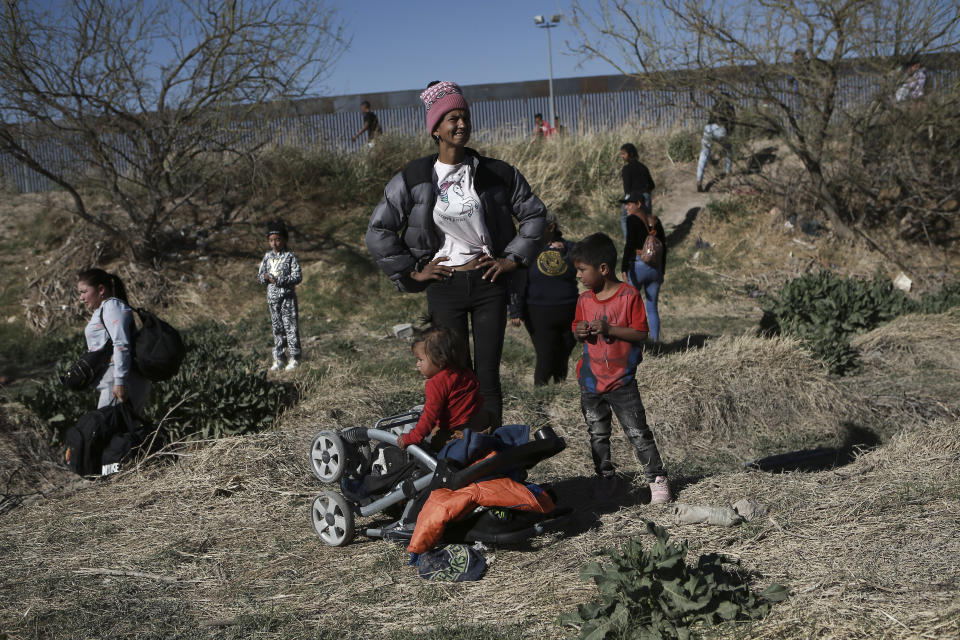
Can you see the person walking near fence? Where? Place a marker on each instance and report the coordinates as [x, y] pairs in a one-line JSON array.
[[371, 124], [446, 225], [912, 87], [719, 127]]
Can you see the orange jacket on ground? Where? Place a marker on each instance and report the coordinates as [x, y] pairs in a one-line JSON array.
[[444, 506]]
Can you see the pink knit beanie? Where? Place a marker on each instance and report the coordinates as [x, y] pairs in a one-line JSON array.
[[441, 98]]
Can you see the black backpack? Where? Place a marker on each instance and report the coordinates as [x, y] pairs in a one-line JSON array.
[[158, 349], [107, 437]]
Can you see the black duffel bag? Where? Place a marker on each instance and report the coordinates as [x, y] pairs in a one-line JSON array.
[[105, 438]]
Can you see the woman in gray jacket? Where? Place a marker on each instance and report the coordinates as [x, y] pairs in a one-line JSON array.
[[104, 294], [446, 225]]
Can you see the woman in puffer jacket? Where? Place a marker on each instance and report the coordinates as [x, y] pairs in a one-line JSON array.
[[446, 225]]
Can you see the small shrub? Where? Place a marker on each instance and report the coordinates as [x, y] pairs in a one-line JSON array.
[[217, 391], [655, 594], [824, 311], [682, 146]]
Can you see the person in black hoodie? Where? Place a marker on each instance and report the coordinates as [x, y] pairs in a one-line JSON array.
[[545, 298], [644, 277], [636, 179]]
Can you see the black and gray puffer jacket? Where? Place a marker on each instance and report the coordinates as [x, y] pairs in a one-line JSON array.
[[402, 236]]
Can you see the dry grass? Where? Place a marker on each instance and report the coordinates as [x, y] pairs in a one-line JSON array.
[[739, 397], [215, 541]]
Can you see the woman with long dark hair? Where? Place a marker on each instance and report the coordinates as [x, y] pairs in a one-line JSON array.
[[446, 225], [104, 294]]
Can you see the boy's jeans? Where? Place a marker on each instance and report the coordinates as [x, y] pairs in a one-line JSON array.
[[626, 402]]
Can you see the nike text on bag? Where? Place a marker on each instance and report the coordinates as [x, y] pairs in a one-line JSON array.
[[104, 439]]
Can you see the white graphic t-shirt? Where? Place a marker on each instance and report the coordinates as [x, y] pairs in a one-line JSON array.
[[458, 215]]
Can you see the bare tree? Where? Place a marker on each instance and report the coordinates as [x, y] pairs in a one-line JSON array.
[[784, 61], [151, 99]]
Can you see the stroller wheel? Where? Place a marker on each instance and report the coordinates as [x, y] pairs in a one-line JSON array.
[[333, 519], [328, 456]]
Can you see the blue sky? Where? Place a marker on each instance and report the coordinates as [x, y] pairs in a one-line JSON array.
[[403, 44]]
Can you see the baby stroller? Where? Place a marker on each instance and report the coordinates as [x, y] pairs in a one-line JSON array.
[[376, 476]]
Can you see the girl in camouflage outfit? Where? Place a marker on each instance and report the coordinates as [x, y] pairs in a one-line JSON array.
[[280, 271]]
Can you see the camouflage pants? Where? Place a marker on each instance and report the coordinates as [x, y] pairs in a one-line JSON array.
[[286, 327]]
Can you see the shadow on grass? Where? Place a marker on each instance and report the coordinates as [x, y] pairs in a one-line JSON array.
[[682, 230], [691, 341], [856, 440], [584, 495], [759, 159]]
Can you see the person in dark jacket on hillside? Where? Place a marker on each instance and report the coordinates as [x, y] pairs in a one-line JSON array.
[[636, 179], [545, 298], [644, 277], [446, 225]]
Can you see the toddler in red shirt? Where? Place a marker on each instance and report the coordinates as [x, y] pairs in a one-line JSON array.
[[453, 392]]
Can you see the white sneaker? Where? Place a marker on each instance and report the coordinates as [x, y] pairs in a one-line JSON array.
[[291, 365], [660, 491], [276, 366]]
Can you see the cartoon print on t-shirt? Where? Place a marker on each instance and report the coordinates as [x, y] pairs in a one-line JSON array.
[[455, 181]]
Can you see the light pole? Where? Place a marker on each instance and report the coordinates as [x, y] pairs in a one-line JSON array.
[[541, 22]]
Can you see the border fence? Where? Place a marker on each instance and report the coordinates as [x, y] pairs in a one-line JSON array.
[[499, 112]]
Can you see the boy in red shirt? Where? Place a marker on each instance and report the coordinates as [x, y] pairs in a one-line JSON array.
[[611, 323]]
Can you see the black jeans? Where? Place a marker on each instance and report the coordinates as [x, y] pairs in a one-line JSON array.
[[626, 402], [549, 329], [465, 294]]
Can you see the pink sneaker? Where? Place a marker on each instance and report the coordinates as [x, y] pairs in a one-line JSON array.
[[660, 491]]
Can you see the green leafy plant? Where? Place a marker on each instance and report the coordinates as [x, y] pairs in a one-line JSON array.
[[217, 391], [824, 310], [682, 146], [655, 594]]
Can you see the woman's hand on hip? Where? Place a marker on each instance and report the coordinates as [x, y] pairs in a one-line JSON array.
[[495, 266], [120, 393], [433, 270]]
